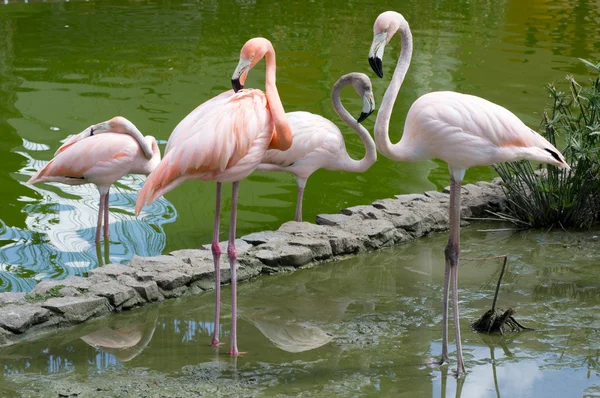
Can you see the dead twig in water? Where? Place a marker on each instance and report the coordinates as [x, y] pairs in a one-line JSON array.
[[497, 320]]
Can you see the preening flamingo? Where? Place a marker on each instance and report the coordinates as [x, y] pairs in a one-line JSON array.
[[319, 144], [224, 140], [110, 150], [462, 130]]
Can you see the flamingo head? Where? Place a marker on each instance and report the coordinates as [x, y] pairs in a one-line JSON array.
[[363, 87], [386, 25], [253, 51], [117, 124]]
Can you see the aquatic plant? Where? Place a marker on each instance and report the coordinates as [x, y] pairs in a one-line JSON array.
[[548, 196]]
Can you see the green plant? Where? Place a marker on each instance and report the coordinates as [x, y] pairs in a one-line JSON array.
[[52, 292], [549, 196]]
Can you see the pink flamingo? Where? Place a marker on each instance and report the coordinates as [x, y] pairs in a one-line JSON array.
[[318, 143], [224, 140], [462, 130], [100, 155]]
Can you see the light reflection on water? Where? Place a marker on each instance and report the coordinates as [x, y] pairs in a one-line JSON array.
[[66, 65], [382, 313]]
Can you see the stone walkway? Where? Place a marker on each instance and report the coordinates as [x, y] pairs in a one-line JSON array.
[[55, 304]]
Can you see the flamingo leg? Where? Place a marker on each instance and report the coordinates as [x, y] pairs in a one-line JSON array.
[[452, 253], [232, 253], [100, 211], [444, 359], [216, 251], [301, 182], [106, 216]]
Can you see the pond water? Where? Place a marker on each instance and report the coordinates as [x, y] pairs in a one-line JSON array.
[[359, 327], [67, 65]]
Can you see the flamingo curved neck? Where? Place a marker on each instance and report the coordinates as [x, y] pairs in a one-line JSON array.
[[398, 151], [347, 163], [282, 138]]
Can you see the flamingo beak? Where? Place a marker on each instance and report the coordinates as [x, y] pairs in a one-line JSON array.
[[376, 53], [368, 106], [239, 75]]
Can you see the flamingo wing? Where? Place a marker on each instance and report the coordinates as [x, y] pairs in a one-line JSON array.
[[312, 134], [100, 159], [214, 142], [465, 131], [185, 128], [73, 139]]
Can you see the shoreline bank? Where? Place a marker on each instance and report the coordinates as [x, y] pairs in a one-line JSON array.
[[56, 304]]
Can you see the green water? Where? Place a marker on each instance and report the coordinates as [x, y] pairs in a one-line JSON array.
[[66, 65], [359, 327]]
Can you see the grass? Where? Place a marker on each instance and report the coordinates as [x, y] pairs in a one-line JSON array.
[[52, 292], [549, 197]]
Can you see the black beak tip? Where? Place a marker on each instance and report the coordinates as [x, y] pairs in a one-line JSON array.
[[376, 65], [363, 116], [235, 84]]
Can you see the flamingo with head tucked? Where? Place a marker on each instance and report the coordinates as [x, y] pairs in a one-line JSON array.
[[319, 144], [462, 130], [110, 150], [224, 140]]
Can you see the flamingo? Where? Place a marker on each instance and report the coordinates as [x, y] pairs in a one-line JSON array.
[[463, 131], [318, 143], [100, 155], [224, 140]]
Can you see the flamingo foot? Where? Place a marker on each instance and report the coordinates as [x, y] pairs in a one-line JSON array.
[[459, 374], [436, 363], [235, 353], [215, 342]]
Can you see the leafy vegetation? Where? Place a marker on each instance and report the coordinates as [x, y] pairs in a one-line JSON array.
[[548, 196], [52, 292]]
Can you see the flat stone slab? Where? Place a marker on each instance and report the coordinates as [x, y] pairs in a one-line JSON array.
[[114, 291], [11, 298], [18, 318], [78, 309], [171, 280]]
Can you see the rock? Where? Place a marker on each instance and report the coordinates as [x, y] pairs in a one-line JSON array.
[[114, 291], [78, 309], [320, 248], [144, 276], [258, 238], [341, 242], [171, 280], [438, 195], [155, 264], [194, 257], [6, 337], [374, 233], [335, 220], [80, 283], [406, 198], [367, 212], [148, 290], [112, 270], [241, 246], [11, 297], [174, 293], [44, 286], [18, 318], [283, 255], [69, 291]]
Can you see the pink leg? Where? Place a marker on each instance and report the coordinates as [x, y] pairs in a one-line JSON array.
[[299, 205], [444, 359], [100, 210], [216, 251], [233, 350], [452, 255], [106, 217], [301, 182]]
